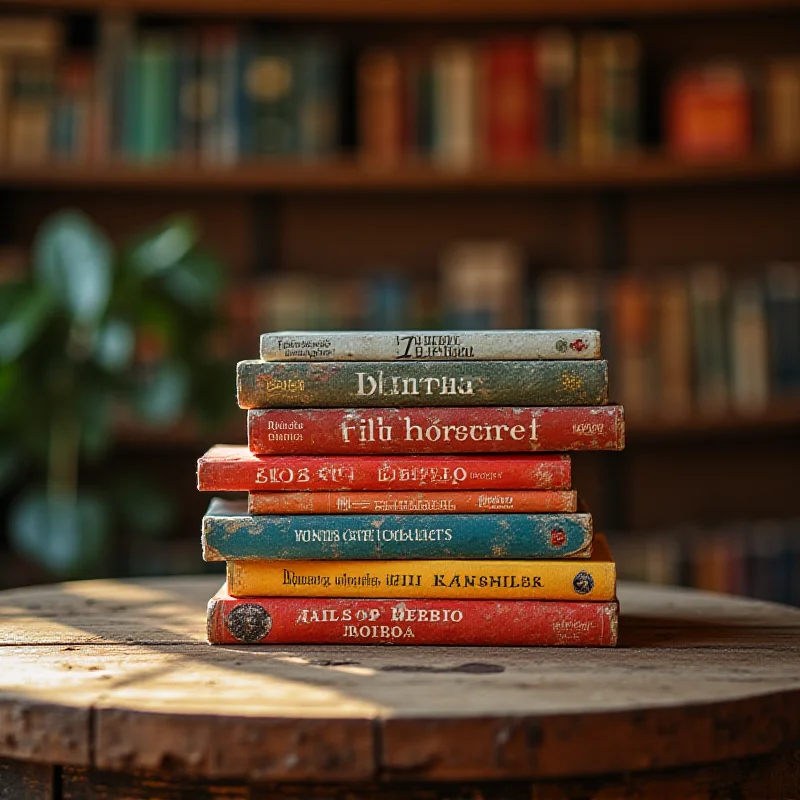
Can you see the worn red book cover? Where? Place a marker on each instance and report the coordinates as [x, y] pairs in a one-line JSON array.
[[322, 620], [435, 430], [510, 501], [511, 100], [233, 468]]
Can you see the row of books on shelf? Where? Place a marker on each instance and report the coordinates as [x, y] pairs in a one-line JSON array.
[[758, 559], [218, 94], [698, 340]]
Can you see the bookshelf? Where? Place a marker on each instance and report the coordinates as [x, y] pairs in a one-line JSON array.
[[349, 175], [648, 213]]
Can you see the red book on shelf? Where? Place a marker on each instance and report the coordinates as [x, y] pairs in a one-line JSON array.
[[510, 100], [317, 620], [709, 112], [233, 468], [435, 430]]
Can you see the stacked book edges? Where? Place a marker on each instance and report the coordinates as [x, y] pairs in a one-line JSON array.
[[414, 488]]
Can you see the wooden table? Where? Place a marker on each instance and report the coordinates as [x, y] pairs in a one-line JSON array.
[[108, 690]]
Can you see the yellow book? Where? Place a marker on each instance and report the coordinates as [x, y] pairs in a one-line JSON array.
[[591, 579]]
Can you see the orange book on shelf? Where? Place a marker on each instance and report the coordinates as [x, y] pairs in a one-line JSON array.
[[380, 103], [709, 112]]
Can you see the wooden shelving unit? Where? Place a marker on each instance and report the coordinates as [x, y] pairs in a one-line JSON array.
[[647, 171], [650, 213], [418, 9]]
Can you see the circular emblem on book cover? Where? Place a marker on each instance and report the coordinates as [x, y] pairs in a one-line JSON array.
[[249, 623], [582, 583]]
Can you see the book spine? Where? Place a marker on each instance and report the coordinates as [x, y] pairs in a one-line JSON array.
[[310, 473], [560, 345], [395, 536], [510, 502], [367, 384], [510, 134], [489, 580], [288, 620], [435, 430]]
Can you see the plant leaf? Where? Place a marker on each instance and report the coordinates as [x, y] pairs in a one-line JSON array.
[[64, 534], [163, 248], [196, 282], [74, 260], [162, 395], [24, 309], [114, 345]]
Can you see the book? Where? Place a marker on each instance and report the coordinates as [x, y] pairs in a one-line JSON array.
[[30, 110], [673, 348], [310, 620], [511, 97], [557, 72], [783, 105], [482, 284], [749, 358], [454, 104], [380, 108], [510, 501], [371, 384], [708, 111], [323, 431], [497, 345], [543, 579], [233, 468], [230, 533], [708, 292]]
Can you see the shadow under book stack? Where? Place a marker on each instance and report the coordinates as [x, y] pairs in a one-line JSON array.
[[414, 488]]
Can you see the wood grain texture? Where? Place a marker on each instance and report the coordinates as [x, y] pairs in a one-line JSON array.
[[773, 778], [698, 678], [23, 780]]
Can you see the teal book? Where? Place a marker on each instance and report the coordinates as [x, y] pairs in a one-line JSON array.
[[230, 533], [376, 384]]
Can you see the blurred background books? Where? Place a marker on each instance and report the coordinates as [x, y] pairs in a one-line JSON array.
[[633, 168]]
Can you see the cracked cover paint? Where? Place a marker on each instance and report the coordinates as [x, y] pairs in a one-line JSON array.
[[376, 384], [233, 468], [510, 501], [310, 620], [435, 430], [430, 345], [542, 579], [230, 533]]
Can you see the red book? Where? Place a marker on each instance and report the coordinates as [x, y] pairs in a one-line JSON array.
[[492, 502], [511, 101], [233, 468], [435, 430], [322, 620]]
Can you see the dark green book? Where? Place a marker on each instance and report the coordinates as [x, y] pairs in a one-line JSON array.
[[375, 384]]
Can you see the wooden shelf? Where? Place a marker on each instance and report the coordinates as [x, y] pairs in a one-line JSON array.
[[781, 416], [341, 176], [418, 9]]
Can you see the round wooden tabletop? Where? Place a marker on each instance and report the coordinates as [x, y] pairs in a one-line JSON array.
[[116, 676]]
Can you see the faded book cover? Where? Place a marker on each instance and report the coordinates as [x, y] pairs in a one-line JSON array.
[[233, 468], [511, 502], [542, 579], [435, 430], [310, 620], [230, 533], [371, 384]]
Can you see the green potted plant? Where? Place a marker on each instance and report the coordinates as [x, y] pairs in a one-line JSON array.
[[93, 335]]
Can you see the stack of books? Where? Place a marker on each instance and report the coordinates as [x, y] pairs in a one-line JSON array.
[[414, 488]]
